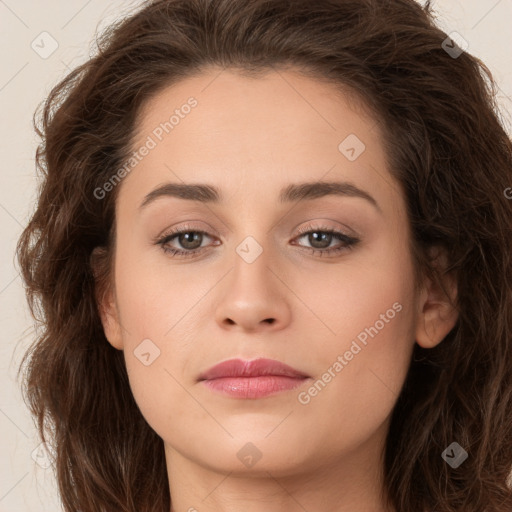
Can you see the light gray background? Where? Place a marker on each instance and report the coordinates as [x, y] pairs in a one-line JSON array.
[[25, 79]]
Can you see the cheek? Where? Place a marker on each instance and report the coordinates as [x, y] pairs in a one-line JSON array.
[[367, 296], [157, 297], [159, 317], [363, 364]]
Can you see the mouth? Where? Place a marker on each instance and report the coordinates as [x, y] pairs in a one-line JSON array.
[[252, 379]]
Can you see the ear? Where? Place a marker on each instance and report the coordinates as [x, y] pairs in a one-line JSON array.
[[437, 314], [105, 296]]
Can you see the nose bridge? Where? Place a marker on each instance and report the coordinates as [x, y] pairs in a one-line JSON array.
[[253, 297], [252, 260], [252, 234], [253, 230], [256, 259]]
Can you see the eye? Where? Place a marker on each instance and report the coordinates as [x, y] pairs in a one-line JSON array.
[[320, 239], [190, 239]]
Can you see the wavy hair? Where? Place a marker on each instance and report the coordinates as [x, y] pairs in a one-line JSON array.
[[446, 146]]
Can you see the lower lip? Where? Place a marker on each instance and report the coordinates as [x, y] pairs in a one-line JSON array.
[[253, 387]]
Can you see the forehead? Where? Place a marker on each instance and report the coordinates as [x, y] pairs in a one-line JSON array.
[[248, 134]]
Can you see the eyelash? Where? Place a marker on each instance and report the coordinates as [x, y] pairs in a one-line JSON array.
[[350, 242]]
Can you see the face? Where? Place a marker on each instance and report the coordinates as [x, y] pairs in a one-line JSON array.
[[318, 278]]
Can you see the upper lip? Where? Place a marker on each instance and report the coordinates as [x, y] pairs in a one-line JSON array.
[[253, 368]]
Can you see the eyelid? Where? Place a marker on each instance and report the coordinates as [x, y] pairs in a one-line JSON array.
[[188, 226], [320, 225], [313, 224]]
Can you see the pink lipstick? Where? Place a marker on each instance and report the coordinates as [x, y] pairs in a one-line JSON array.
[[252, 379]]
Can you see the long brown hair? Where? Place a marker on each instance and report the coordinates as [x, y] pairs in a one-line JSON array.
[[446, 147]]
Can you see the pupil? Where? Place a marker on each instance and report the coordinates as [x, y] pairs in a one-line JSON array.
[[325, 236], [185, 242]]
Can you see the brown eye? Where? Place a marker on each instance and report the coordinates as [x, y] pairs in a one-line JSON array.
[[320, 240], [189, 242]]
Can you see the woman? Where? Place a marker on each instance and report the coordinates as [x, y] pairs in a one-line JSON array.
[[271, 259]]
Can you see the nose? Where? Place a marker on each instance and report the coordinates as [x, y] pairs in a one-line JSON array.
[[254, 296]]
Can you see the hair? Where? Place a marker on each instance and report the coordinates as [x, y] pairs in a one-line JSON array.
[[445, 145]]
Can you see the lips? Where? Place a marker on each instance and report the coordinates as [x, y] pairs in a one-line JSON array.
[[256, 379], [255, 368]]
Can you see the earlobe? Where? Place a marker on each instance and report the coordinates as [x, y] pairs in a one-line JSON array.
[[110, 321], [437, 313], [105, 297]]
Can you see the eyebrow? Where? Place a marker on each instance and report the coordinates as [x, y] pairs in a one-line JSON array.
[[293, 192]]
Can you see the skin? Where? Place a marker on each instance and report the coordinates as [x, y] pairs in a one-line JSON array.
[[250, 138]]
